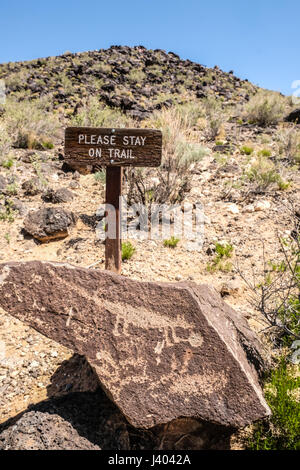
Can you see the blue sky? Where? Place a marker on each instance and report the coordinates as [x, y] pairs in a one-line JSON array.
[[259, 40]]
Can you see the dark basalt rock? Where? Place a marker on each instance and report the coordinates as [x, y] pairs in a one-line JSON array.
[[58, 196], [49, 223], [294, 116], [32, 187]]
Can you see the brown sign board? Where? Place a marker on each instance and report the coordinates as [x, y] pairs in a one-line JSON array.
[[87, 147]]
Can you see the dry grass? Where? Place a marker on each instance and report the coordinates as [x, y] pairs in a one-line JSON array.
[[265, 108], [30, 124]]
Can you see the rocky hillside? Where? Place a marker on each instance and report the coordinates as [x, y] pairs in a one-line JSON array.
[[135, 80]]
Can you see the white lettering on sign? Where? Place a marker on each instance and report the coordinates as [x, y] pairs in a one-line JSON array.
[[95, 153], [110, 140], [133, 140], [116, 153], [97, 140], [93, 139]]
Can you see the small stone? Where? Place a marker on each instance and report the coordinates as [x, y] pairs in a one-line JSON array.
[[249, 208], [233, 209], [262, 206], [229, 288], [34, 364]]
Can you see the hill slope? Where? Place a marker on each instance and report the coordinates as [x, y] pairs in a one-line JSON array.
[[135, 80]]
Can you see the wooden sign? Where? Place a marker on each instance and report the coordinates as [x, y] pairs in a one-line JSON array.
[[89, 147]]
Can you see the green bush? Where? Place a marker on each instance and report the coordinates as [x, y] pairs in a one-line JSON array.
[[265, 153], [136, 75], [128, 251], [95, 114], [214, 115], [282, 430], [7, 214], [246, 150], [219, 263], [265, 108], [29, 124], [289, 143], [172, 180], [263, 173], [100, 176], [12, 189], [290, 315], [8, 163], [171, 242], [5, 141]]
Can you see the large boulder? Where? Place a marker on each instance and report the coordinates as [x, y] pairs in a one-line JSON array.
[[58, 196], [161, 351], [49, 223], [43, 431], [294, 116]]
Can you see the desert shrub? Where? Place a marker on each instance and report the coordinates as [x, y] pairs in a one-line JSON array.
[[37, 166], [171, 180], [102, 68], [7, 213], [47, 145], [289, 144], [191, 113], [29, 124], [96, 114], [100, 176], [5, 140], [263, 173], [265, 108], [7, 163], [245, 150], [281, 431], [128, 250], [220, 262], [12, 189], [214, 117], [136, 75], [265, 153], [66, 83], [171, 242], [275, 289]]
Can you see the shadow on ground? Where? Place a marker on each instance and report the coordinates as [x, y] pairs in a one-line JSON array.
[[78, 415]]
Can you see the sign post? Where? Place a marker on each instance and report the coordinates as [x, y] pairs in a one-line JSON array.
[[88, 149]]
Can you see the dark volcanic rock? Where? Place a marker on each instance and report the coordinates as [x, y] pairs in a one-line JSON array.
[[49, 224], [18, 206], [294, 116], [58, 196], [32, 187], [43, 431], [90, 421], [91, 220], [160, 351]]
